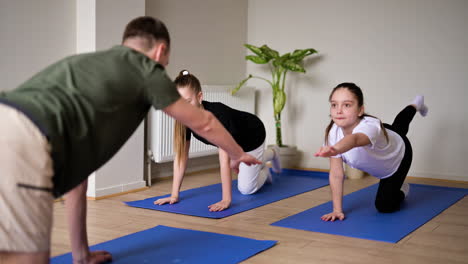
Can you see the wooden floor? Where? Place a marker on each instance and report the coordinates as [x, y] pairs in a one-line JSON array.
[[444, 239]]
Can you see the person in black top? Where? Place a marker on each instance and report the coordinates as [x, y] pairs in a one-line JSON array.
[[246, 129]]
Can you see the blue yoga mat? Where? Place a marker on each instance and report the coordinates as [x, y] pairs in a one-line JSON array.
[[196, 201], [163, 244], [362, 220]]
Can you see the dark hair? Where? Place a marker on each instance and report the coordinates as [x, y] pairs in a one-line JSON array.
[[185, 79], [149, 28], [354, 89]]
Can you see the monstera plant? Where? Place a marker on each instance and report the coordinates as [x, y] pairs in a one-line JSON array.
[[279, 66]]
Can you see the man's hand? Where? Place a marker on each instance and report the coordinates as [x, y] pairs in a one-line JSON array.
[[245, 158]]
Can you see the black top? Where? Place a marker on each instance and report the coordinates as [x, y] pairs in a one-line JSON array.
[[246, 129]]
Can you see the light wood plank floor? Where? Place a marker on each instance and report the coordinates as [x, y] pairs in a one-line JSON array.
[[444, 239]]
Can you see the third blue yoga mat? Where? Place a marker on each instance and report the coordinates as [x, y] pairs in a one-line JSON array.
[[423, 203], [163, 244], [195, 201]]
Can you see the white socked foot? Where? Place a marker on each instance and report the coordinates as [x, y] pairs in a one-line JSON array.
[[276, 161], [269, 179], [418, 101], [405, 188]]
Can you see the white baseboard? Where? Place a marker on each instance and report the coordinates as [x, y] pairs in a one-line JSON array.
[[118, 189], [438, 176]]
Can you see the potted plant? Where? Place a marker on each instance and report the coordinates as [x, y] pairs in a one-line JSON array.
[[279, 66]]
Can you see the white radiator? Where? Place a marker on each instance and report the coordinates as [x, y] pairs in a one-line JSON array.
[[162, 126]]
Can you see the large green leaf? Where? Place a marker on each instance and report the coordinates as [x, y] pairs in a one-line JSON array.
[[255, 50], [269, 52], [293, 66], [277, 63], [256, 59], [261, 52], [299, 54], [235, 90], [279, 101]]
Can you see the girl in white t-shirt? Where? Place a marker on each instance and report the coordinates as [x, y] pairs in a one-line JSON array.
[[363, 142]]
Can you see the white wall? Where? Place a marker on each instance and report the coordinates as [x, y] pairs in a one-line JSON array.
[[125, 170], [393, 50], [38, 33], [33, 35], [207, 37]]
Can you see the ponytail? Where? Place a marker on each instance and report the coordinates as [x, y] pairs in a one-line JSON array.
[[180, 141], [381, 126], [327, 131], [184, 79]]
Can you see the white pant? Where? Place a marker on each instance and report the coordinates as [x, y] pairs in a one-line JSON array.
[[26, 171], [252, 178]]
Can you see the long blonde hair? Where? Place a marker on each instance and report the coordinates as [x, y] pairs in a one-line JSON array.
[[188, 80]]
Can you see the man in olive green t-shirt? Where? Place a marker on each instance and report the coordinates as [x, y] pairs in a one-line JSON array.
[[70, 119]]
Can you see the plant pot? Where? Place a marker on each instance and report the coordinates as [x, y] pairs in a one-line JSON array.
[[353, 173], [288, 156]]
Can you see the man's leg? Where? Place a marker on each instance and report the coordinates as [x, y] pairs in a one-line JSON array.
[[26, 200]]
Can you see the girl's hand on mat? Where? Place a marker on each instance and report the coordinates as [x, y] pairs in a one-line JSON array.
[[326, 151], [219, 206], [169, 200], [245, 158], [333, 216], [95, 257]]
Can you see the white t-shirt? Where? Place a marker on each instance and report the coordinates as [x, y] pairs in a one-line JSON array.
[[380, 159]]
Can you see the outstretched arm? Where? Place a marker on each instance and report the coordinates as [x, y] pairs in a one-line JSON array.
[[75, 205], [226, 183], [346, 143], [206, 125], [336, 186], [179, 167]]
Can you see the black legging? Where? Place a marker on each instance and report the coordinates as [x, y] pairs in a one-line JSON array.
[[389, 195]]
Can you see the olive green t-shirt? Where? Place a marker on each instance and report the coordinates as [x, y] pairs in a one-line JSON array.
[[88, 105]]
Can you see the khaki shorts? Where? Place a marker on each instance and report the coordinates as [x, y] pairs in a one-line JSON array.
[[26, 200]]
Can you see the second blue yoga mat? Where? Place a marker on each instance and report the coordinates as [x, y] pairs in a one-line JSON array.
[[423, 203], [195, 201], [163, 244]]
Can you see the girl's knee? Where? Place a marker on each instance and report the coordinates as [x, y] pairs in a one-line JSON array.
[[385, 207], [247, 190]]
